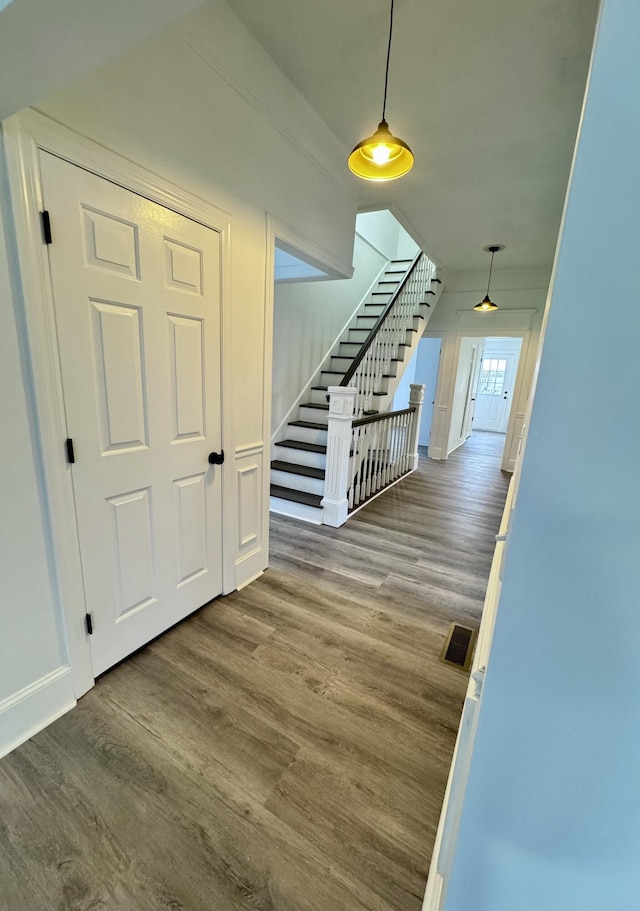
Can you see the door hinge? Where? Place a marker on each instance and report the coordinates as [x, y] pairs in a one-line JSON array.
[[46, 227], [71, 456], [89, 624]]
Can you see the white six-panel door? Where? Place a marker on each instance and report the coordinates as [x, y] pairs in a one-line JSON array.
[[137, 301]]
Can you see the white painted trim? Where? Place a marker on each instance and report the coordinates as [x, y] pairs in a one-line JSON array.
[[251, 449], [511, 324], [24, 135], [448, 825], [249, 581], [32, 708], [314, 252]]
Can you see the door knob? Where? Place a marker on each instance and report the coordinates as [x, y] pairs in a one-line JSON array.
[[216, 458]]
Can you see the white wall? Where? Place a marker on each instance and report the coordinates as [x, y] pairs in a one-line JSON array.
[[298, 351], [520, 294], [551, 814], [307, 319], [386, 234], [31, 639], [380, 229], [45, 46], [204, 106]]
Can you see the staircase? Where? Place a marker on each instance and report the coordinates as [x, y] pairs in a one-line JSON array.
[[298, 468]]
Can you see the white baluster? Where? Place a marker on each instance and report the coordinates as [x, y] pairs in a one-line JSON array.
[[335, 505]]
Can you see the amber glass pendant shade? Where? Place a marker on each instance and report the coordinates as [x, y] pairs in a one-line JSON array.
[[382, 156]]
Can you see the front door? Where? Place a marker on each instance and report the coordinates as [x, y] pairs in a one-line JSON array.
[[495, 389], [136, 292]]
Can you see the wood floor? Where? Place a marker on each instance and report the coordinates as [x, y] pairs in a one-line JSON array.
[[285, 749]]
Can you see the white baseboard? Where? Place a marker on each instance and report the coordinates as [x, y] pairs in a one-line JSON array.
[[34, 707], [250, 580]]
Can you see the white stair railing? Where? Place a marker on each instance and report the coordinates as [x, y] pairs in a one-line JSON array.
[[366, 455], [382, 347]]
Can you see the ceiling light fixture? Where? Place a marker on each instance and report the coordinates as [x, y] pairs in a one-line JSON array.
[[382, 156], [486, 305]]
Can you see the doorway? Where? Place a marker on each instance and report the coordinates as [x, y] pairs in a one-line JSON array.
[[496, 382], [136, 296], [485, 381]]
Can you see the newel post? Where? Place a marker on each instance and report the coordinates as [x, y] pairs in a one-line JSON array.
[[335, 506], [416, 399]]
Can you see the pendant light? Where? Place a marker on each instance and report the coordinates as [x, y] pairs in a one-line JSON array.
[[382, 156], [486, 305]]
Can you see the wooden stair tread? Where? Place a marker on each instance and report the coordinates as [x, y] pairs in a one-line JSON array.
[[310, 424], [306, 447], [321, 407], [296, 496], [294, 468]]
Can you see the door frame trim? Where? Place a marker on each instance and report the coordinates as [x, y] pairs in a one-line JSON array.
[[504, 324], [24, 135]]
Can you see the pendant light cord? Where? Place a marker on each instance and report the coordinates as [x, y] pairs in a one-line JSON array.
[[386, 75], [493, 253]]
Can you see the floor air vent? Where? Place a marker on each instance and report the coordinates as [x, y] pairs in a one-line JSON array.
[[458, 646]]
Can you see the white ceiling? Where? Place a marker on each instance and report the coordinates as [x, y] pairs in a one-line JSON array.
[[487, 95]]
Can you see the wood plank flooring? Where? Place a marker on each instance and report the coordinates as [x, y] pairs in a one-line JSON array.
[[286, 748]]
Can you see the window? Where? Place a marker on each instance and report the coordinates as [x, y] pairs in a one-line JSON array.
[[492, 376]]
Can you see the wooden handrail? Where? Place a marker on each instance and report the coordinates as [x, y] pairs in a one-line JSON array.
[[371, 418], [372, 334]]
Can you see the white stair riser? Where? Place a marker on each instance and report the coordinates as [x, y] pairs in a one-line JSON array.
[[319, 415], [372, 308], [297, 482], [330, 379], [340, 363], [357, 335], [349, 349], [307, 435], [364, 322], [301, 456], [319, 396], [295, 510]]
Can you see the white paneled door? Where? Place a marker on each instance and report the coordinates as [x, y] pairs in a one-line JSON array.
[[137, 301], [495, 391]]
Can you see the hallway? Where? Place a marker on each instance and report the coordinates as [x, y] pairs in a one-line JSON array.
[[286, 748]]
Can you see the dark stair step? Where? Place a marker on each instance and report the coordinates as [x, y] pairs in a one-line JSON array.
[[310, 424], [400, 260], [296, 496], [294, 468], [306, 447]]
